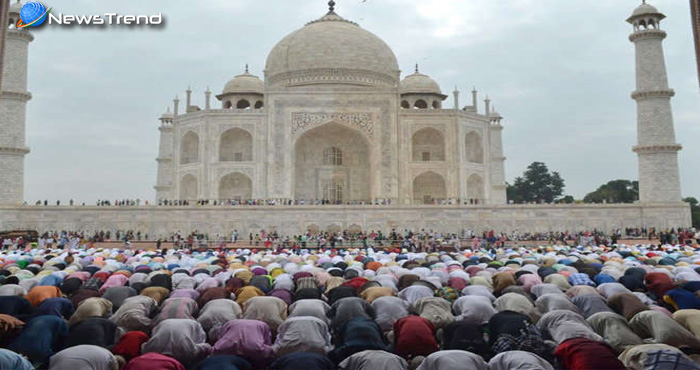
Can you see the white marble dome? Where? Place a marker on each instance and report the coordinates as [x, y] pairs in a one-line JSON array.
[[244, 84], [332, 50], [419, 83], [644, 9]]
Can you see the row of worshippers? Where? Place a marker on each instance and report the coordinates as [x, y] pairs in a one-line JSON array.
[[571, 308]]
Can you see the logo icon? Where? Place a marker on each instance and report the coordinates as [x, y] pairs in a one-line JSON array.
[[32, 14]]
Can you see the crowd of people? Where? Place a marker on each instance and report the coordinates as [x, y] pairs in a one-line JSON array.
[[483, 307], [414, 241], [253, 202]]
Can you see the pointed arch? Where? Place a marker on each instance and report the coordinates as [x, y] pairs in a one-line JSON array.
[[332, 163], [235, 186], [420, 104], [236, 145], [428, 145], [189, 148], [429, 188], [243, 104]]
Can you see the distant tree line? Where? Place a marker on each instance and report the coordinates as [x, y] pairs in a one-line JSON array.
[[540, 185]]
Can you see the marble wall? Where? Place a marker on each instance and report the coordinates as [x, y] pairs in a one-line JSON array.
[[161, 221]]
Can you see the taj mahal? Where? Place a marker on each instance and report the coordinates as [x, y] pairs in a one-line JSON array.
[[332, 121], [336, 138]]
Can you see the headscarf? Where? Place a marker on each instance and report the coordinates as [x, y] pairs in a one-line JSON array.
[[91, 307], [153, 361], [82, 357], [251, 339], [614, 329], [96, 331], [453, 360], [626, 304], [129, 345], [519, 360], [181, 339], [414, 336]]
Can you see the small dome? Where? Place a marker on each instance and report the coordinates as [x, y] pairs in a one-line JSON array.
[[245, 84], [645, 9], [167, 115], [418, 83]]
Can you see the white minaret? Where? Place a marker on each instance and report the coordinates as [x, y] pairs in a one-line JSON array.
[[164, 184], [498, 168], [13, 106], [659, 178]]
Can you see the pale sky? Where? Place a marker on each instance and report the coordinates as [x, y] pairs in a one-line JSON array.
[[559, 71]]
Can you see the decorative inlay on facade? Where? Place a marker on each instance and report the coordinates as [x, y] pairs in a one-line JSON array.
[[331, 75], [302, 121], [383, 131], [653, 94]]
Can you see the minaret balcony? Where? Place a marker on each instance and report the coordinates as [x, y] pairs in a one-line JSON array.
[[17, 95], [665, 93], [22, 34], [14, 151], [648, 34], [641, 149]]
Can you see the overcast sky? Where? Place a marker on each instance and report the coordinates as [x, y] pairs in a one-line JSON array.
[[560, 72]]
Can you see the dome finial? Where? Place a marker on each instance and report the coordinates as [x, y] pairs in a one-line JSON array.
[[331, 6], [417, 68], [246, 68]]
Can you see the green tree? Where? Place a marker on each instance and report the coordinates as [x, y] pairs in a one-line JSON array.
[[567, 200], [694, 209], [616, 191], [536, 184]]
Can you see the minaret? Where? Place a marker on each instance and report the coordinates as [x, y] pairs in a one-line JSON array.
[[657, 150], [165, 158], [498, 168], [13, 106]]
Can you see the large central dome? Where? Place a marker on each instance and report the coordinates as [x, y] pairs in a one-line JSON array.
[[332, 50]]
